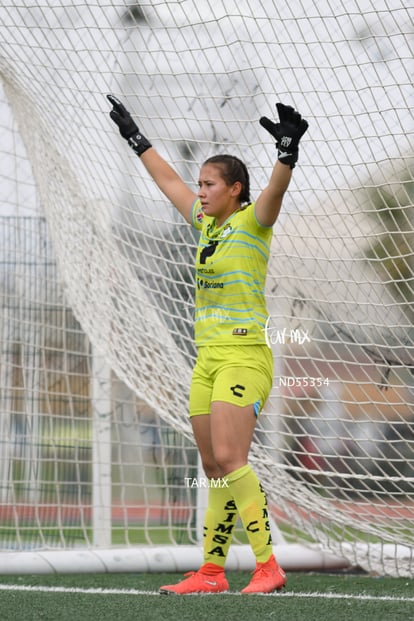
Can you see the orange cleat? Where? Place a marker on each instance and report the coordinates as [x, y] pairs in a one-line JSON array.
[[205, 580], [267, 577]]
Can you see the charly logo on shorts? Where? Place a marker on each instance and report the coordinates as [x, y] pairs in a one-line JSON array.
[[236, 390]]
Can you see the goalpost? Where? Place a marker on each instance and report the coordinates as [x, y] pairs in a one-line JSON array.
[[98, 469]]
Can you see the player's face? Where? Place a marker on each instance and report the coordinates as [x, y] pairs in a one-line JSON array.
[[217, 198]]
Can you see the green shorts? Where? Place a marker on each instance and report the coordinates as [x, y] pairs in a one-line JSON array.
[[237, 374]]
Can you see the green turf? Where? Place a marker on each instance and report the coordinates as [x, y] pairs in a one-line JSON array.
[[351, 598]]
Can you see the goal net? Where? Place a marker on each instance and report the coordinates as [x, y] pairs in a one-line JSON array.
[[96, 278]]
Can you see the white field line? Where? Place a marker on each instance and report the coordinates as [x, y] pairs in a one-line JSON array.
[[291, 594]]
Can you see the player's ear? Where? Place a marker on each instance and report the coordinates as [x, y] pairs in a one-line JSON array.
[[237, 188]]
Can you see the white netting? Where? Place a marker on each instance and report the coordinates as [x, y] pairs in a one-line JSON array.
[[335, 446]]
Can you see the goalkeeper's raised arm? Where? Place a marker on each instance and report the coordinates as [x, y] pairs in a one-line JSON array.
[[169, 182], [287, 133]]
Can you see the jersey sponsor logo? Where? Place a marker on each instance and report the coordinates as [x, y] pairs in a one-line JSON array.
[[199, 215], [239, 332], [236, 390], [208, 251], [207, 284]]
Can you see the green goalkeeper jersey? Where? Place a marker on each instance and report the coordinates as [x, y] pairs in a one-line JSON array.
[[231, 267]]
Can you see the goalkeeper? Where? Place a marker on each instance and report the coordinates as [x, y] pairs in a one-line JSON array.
[[232, 377]]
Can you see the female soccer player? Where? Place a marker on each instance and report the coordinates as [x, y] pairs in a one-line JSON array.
[[233, 374]]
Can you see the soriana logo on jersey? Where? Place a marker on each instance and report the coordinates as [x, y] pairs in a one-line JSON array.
[[209, 284]]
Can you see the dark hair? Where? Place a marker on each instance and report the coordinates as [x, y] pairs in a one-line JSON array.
[[232, 170]]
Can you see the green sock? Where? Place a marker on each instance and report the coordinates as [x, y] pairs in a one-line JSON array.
[[251, 504], [219, 522]]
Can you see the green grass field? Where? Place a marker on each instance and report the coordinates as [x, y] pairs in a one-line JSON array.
[[134, 597]]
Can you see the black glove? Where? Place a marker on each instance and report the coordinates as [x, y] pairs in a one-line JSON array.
[[287, 132], [127, 126]]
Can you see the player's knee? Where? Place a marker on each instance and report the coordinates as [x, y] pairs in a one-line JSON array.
[[211, 469], [226, 461]]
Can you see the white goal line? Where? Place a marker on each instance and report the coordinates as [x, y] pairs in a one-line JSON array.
[[128, 592]]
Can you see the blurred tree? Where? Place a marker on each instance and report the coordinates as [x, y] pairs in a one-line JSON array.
[[392, 251]]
